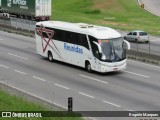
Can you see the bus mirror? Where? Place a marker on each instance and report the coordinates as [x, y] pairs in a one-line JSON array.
[[99, 47], [127, 44], [103, 57]]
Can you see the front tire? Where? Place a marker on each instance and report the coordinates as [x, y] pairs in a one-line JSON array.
[[88, 67], [50, 56]]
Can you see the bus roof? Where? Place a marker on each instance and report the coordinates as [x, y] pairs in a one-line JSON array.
[[98, 32]]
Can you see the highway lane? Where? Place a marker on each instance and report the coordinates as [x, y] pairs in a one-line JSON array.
[[152, 5], [136, 88]]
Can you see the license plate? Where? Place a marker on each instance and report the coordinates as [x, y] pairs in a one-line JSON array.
[[115, 69]]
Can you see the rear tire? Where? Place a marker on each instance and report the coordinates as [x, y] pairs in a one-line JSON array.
[[88, 67], [147, 42], [50, 56]]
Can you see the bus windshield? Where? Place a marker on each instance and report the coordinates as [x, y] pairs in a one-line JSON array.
[[112, 50]]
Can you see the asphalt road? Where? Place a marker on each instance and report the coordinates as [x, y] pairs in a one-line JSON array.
[[152, 5], [137, 88]]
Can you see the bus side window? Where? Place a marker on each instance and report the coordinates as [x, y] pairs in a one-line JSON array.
[[75, 38], [68, 37], [72, 37], [44, 34], [83, 41], [57, 35]]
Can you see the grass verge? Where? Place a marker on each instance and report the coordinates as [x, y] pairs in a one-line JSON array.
[[118, 14], [13, 103]]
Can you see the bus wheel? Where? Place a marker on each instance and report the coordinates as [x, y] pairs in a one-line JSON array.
[[50, 56], [88, 67]]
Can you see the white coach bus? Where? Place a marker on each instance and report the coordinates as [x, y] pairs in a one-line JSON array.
[[92, 47]]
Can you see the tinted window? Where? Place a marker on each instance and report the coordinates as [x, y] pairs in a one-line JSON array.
[[77, 38], [94, 47], [59, 35], [134, 33], [72, 37], [66, 36], [130, 33], [83, 41], [44, 34], [38, 26], [142, 33]]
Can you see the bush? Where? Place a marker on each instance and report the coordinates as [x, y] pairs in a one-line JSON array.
[[95, 11]]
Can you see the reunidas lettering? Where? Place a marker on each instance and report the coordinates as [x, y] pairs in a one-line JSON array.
[[73, 48], [20, 2]]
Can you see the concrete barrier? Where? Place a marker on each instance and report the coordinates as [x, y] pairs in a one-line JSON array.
[[144, 57], [21, 31], [23, 24]]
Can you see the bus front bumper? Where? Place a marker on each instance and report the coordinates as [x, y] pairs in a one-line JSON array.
[[113, 68]]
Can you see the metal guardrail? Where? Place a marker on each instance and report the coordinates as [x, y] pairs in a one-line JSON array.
[[16, 26], [144, 57], [19, 23], [23, 24], [27, 27]]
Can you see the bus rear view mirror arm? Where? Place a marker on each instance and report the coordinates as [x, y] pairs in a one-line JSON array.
[[103, 57], [128, 44], [99, 47]]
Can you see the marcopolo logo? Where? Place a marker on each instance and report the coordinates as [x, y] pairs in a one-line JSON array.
[[73, 48], [20, 2]]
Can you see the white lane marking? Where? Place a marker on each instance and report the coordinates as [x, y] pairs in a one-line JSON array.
[[31, 94], [4, 66], [62, 86], [51, 102], [17, 56], [86, 95], [136, 74], [38, 78], [20, 72], [93, 79], [138, 50], [128, 109], [144, 63], [111, 103], [89, 118]]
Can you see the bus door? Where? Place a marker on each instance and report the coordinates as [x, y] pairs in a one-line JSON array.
[[86, 55], [95, 53]]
